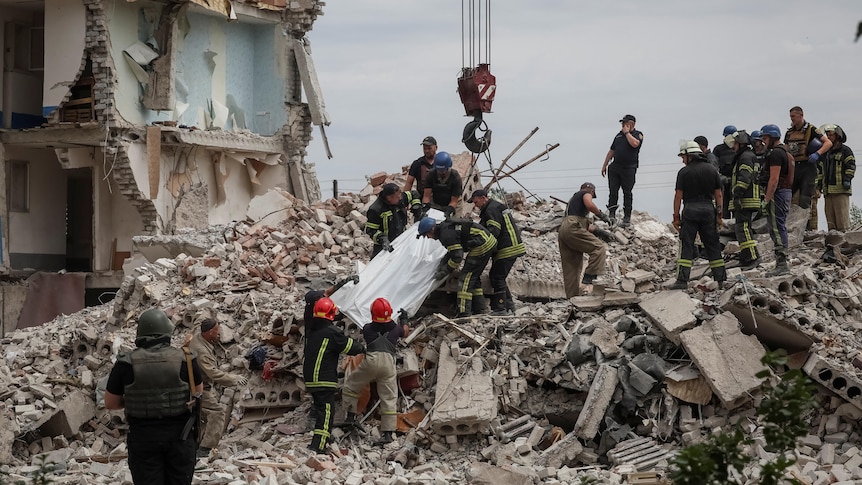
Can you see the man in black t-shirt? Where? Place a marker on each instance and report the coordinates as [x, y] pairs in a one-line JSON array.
[[621, 173], [421, 166]]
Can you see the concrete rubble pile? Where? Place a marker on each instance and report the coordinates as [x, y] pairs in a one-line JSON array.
[[606, 385]]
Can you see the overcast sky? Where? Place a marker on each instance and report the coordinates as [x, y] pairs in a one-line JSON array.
[[388, 71]]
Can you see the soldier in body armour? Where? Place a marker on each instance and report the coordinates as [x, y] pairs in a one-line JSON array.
[[152, 384]]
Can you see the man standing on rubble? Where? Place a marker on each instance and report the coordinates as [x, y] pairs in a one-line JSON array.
[[698, 185], [420, 167], [835, 177], [746, 197], [324, 343], [443, 186], [497, 218], [381, 340], [624, 152], [776, 180], [576, 237], [212, 411], [152, 384], [387, 216], [806, 144], [458, 236]]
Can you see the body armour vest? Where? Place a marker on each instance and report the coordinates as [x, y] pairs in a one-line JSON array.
[[157, 391]]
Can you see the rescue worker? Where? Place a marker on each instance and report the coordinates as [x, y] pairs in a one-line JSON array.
[[381, 340], [152, 384], [725, 169], [387, 216], [806, 144], [758, 146], [312, 296], [698, 187], [460, 236], [624, 152], [745, 188], [443, 186], [576, 237], [704, 147], [421, 166], [497, 218], [835, 177], [213, 412], [324, 343], [776, 181]]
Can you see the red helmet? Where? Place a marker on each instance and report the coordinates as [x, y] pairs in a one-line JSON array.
[[381, 311], [325, 308]]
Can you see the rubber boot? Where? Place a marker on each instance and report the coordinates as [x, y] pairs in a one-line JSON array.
[[468, 309], [386, 437], [317, 444], [510, 302], [627, 220], [589, 279], [498, 303], [719, 274], [781, 267], [679, 285], [480, 305]]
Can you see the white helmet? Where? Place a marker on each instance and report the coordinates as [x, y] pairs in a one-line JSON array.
[[689, 148]]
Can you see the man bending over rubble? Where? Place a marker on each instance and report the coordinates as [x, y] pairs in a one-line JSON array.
[[152, 384], [212, 411]]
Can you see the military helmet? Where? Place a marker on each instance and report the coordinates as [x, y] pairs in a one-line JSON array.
[[154, 323]]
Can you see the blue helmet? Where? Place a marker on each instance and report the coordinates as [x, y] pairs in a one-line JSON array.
[[755, 135], [728, 130], [442, 161], [425, 225], [771, 130]]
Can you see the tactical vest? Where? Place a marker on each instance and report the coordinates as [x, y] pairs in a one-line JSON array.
[[157, 391], [796, 142], [382, 344]]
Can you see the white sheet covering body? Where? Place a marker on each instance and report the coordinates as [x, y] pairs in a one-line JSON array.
[[403, 276]]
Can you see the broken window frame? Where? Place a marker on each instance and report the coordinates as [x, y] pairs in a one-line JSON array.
[[18, 185]]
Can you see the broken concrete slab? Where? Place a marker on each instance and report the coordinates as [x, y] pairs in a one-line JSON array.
[[464, 402], [769, 319], [726, 357], [561, 453], [672, 311], [834, 378], [598, 399]]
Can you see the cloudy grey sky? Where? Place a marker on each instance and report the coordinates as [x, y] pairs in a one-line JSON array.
[[573, 68]]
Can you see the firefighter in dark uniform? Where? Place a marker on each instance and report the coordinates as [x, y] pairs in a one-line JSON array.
[[576, 237], [497, 218], [698, 185], [420, 167], [460, 236], [381, 340], [152, 384], [806, 144], [725, 168], [835, 176], [746, 198], [386, 218], [324, 343], [311, 296], [443, 186]]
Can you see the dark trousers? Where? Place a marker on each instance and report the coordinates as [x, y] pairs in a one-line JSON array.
[[776, 216], [499, 271], [745, 236], [803, 182], [323, 411], [621, 178], [167, 462], [726, 197], [469, 282], [699, 218]]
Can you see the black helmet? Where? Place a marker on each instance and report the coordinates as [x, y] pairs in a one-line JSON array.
[[154, 323]]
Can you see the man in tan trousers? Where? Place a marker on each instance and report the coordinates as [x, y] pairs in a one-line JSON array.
[[576, 238], [213, 412]]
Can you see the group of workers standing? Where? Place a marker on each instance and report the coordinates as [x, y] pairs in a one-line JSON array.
[[748, 175]]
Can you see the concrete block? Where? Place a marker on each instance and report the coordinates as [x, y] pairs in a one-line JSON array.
[[561, 453], [598, 399], [835, 379], [672, 311], [462, 405], [726, 357]]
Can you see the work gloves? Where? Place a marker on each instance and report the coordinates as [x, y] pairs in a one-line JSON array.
[[354, 279], [403, 317], [814, 157], [241, 380], [448, 211], [442, 272], [385, 244], [423, 211], [604, 217], [416, 210], [845, 183]]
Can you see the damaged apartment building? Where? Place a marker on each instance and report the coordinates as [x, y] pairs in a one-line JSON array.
[[123, 118]]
